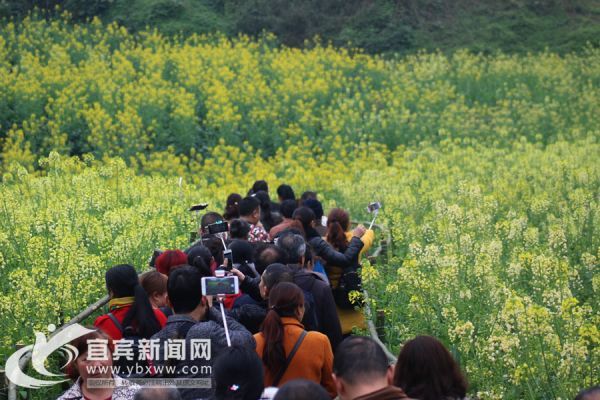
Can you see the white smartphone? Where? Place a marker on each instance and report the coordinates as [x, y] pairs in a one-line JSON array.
[[213, 286]]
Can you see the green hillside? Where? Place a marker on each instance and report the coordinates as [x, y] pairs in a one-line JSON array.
[[375, 25]]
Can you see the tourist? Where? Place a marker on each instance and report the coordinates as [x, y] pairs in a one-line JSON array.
[[99, 367], [266, 254], [170, 259], [238, 374], [130, 311], [250, 212], [262, 185], [282, 332], [316, 206], [425, 370], [285, 192], [155, 285], [232, 207], [324, 250], [286, 209], [202, 259], [301, 389], [268, 217], [361, 371], [239, 229], [195, 319], [339, 237], [317, 289]]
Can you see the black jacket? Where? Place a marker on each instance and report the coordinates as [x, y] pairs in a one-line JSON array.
[[250, 287], [251, 316], [349, 258], [326, 312], [327, 320]]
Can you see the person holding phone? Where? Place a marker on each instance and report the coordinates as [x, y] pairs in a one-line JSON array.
[[250, 212], [339, 237], [195, 318]]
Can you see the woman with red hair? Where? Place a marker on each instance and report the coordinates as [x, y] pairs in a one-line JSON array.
[[170, 259]]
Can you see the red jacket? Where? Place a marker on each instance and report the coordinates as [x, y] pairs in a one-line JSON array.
[[105, 324]]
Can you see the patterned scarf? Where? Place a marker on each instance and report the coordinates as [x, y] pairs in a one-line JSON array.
[[120, 302]]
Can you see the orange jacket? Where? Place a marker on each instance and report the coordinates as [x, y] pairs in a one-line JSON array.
[[313, 359]]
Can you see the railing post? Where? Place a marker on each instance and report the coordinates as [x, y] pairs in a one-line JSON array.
[[380, 324], [384, 248], [4, 384]]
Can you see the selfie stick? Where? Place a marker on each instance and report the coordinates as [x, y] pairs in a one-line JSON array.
[[373, 220], [225, 324], [221, 236], [196, 208]]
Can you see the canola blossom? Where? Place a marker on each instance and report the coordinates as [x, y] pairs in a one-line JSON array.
[[495, 251], [488, 168], [98, 89]]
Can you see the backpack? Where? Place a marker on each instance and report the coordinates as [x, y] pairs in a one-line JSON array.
[[350, 281]]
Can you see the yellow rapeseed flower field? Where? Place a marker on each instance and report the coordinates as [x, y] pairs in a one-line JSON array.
[[488, 168], [97, 89]]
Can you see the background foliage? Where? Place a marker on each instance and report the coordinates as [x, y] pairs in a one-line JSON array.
[[374, 25]]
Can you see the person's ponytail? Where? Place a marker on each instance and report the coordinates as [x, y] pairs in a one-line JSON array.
[[142, 313], [272, 329], [338, 222], [200, 257], [306, 216], [336, 236], [122, 280], [232, 208], [284, 300]]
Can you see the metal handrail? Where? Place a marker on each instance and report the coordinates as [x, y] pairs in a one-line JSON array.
[[12, 388]]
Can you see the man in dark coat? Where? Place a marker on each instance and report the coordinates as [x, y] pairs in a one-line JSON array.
[[202, 329]]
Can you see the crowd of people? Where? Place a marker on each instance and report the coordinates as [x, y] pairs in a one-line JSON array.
[[287, 334]]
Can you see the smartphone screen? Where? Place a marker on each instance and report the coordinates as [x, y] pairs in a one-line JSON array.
[[218, 227], [229, 256], [213, 286]]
